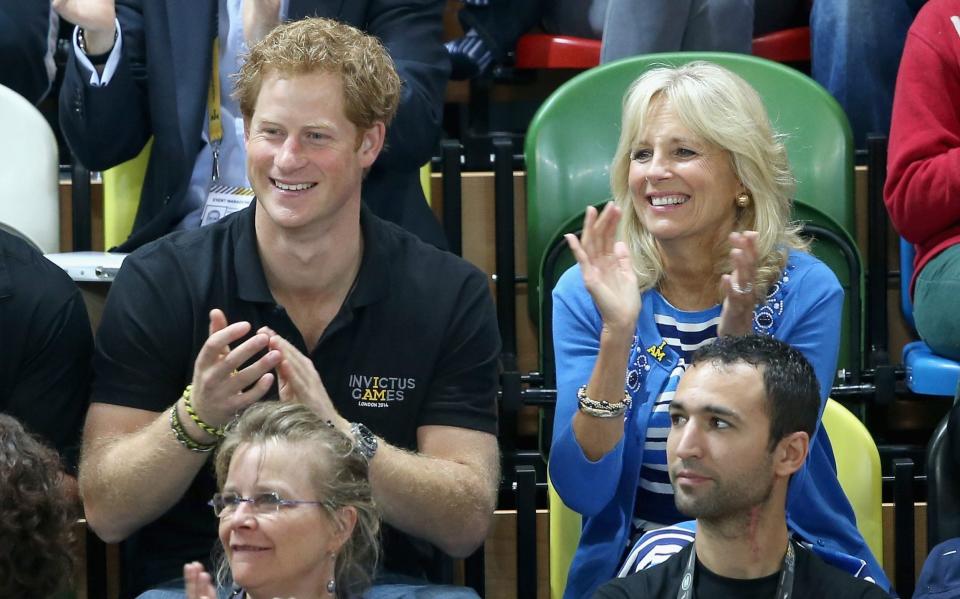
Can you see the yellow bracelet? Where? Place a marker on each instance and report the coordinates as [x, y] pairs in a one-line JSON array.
[[183, 438], [210, 430]]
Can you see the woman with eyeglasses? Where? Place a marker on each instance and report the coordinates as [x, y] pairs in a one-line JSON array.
[[297, 518]]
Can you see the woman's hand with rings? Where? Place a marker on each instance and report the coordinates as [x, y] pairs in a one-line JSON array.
[[738, 287], [607, 268]]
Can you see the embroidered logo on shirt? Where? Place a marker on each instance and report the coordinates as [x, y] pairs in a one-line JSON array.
[[637, 373], [657, 351], [766, 316], [379, 391]]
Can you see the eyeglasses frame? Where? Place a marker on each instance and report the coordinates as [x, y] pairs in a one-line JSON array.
[[279, 502]]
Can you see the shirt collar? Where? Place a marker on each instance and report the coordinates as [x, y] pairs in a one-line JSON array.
[[251, 281], [373, 278]]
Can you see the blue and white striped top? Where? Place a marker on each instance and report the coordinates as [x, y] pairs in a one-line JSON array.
[[684, 332]]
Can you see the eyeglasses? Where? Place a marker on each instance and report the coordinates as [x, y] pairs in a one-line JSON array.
[[224, 504]]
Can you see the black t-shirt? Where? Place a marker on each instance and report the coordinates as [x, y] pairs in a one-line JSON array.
[[813, 578], [415, 343], [45, 347]]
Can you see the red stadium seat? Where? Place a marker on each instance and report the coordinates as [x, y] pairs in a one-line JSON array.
[[544, 51], [787, 45]]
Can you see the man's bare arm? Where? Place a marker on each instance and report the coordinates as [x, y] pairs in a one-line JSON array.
[[445, 493], [132, 469]]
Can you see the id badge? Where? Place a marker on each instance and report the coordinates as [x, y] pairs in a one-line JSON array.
[[223, 200]]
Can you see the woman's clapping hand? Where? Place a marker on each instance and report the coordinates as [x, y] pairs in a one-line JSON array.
[[607, 269], [738, 287]]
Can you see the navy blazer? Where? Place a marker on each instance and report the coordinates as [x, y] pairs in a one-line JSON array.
[[160, 89], [24, 29]]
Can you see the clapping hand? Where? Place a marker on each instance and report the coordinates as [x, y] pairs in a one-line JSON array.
[[739, 287], [299, 381], [197, 582], [607, 268], [221, 388]]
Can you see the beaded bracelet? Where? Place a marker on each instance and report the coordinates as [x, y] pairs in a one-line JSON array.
[[188, 405], [183, 438], [602, 409]]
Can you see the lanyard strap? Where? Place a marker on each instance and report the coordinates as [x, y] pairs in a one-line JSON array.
[[213, 109], [784, 587], [213, 97]]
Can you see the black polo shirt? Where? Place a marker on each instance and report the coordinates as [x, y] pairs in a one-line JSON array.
[[45, 347], [415, 343]]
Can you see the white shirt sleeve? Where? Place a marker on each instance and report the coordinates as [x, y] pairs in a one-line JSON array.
[[99, 80]]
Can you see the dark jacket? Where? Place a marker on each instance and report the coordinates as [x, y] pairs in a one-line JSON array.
[[165, 97]]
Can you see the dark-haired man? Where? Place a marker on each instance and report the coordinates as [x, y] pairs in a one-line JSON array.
[[741, 422]]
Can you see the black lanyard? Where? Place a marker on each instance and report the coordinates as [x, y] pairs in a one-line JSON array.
[[784, 588]]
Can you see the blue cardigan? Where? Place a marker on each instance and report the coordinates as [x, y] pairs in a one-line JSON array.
[[803, 308]]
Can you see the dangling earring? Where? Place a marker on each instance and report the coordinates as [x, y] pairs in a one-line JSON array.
[[743, 199], [332, 583]]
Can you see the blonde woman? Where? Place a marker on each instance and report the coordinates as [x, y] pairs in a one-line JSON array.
[[297, 517], [696, 244]]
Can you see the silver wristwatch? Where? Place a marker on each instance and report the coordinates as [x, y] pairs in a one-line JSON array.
[[366, 441]]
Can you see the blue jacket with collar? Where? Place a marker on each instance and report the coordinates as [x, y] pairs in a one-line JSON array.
[[803, 308]]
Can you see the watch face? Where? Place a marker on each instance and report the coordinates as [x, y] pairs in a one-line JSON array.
[[365, 439]]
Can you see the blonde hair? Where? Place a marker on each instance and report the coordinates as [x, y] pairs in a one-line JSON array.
[[338, 472], [371, 86], [724, 110]]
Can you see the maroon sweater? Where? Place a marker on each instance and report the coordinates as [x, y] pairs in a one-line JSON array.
[[923, 173]]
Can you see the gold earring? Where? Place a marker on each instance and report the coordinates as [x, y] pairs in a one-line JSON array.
[[743, 200]]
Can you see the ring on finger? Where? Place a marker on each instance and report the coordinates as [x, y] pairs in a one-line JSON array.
[[235, 372], [745, 290]]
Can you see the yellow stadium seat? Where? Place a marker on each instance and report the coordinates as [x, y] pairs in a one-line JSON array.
[[425, 171], [858, 468], [565, 527], [121, 196]]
